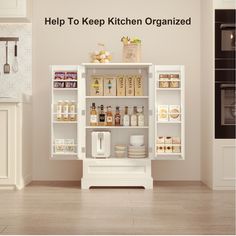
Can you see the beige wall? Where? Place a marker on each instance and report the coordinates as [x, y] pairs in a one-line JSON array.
[[207, 88], [71, 45]]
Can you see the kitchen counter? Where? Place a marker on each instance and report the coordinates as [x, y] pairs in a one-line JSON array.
[[23, 99]]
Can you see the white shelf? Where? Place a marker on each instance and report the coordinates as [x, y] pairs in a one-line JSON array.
[[168, 122], [117, 127], [65, 80], [117, 97], [117, 65], [168, 89], [65, 122], [65, 89], [64, 154], [64, 157]]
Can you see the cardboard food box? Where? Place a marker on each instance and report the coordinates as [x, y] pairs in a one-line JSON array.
[[129, 85], [120, 85], [162, 112], [174, 112], [109, 83], [96, 85], [138, 85]]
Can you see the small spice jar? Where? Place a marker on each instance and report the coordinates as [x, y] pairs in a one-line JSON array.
[[174, 81], [163, 80]]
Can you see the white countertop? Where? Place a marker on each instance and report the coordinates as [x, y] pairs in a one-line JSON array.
[[23, 99]]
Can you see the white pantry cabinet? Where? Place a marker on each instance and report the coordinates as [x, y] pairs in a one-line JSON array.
[[72, 139], [15, 144], [13, 8]]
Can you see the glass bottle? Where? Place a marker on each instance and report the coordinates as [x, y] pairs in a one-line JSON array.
[[109, 116], [59, 110], [72, 111], [102, 116], [93, 115], [117, 116], [140, 116], [65, 109], [126, 117], [133, 118]]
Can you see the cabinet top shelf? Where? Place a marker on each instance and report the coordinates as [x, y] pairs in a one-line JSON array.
[[117, 65]]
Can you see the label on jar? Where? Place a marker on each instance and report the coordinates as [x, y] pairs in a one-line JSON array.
[[126, 120], [102, 118], [59, 111], [133, 120], [65, 112], [140, 120], [72, 112], [93, 119], [109, 119]]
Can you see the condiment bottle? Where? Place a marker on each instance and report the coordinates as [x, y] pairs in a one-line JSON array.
[[102, 116], [109, 117], [72, 111], [66, 110], [117, 116], [59, 110], [126, 117], [93, 115], [133, 118], [140, 116]]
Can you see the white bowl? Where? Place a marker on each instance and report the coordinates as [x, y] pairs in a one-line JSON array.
[[137, 140], [120, 147], [120, 153]]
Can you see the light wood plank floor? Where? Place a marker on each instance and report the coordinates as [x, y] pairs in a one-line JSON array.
[[63, 208]]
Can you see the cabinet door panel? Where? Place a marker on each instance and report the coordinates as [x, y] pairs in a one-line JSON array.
[[81, 113], [13, 8], [7, 145]]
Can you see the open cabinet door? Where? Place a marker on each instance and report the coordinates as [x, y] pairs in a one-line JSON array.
[[81, 126], [65, 120], [151, 104], [169, 102]]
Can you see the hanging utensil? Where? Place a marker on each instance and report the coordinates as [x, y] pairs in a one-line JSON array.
[[15, 61], [6, 67]]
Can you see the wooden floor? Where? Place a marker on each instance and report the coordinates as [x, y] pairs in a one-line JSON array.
[[171, 208]]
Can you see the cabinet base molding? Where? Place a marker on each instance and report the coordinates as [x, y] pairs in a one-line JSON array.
[[117, 172], [147, 183]]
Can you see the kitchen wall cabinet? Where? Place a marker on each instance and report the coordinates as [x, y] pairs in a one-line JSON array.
[[72, 139], [15, 141], [13, 8]]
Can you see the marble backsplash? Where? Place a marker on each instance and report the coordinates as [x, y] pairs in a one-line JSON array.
[[16, 84]]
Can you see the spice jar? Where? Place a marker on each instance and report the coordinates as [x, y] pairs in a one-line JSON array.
[[174, 81], [163, 80]]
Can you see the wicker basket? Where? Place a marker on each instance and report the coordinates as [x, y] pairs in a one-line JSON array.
[[132, 52]]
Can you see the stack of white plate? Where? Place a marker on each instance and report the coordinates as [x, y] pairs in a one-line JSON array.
[[137, 152]]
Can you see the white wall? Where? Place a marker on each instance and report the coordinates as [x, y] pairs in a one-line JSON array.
[[15, 84], [71, 45]]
